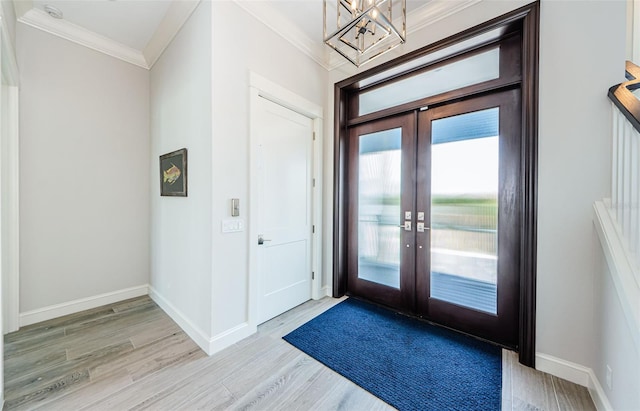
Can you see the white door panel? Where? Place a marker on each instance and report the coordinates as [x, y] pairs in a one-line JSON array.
[[284, 204]]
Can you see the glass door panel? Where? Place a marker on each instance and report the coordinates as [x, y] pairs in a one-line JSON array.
[[379, 189], [433, 209], [468, 184], [381, 175], [464, 209]]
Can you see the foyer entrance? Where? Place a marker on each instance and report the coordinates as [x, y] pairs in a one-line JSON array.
[[491, 66], [433, 227]]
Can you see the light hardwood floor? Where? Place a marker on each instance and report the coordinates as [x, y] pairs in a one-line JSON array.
[[131, 355]]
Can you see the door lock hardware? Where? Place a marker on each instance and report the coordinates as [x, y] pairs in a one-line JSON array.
[[407, 225], [407, 215], [420, 215]]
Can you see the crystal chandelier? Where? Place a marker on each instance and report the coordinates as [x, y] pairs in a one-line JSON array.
[[364, 29]]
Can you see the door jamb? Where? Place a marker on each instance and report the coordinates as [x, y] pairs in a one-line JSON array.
[[260, 87]]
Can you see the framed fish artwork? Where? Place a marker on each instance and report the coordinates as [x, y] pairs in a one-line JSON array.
[[173, 173]]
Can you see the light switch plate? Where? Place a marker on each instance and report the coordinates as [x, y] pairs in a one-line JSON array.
[[232, 225]]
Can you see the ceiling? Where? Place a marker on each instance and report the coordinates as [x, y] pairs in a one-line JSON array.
[[137, 31], [128, 22]]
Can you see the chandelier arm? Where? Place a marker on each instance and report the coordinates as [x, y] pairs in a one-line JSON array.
[[345, 42], [392, 27], [354, 62], [346, 28], [372, 45]]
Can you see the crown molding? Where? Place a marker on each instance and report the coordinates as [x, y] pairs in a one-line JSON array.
[[59, 27], [177, 14], [286, 29], [434, 11]]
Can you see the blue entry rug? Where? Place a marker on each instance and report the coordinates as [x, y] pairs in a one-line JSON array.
[[409, 364]]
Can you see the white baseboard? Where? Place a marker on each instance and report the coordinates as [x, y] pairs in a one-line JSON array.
[[597, 393], [195, 333], [326, 291], [230, 337], [209, 345], [71, 307], [577, 374]]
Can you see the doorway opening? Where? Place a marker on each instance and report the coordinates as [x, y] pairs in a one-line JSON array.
[[435, 187], [285, 201]]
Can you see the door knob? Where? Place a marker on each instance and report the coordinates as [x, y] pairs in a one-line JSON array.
[[261, 240]]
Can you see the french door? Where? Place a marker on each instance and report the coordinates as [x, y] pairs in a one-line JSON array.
[[434, 200]]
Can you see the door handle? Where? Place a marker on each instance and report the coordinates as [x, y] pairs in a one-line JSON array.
[[421, 228], [406, 225], [261, 240]]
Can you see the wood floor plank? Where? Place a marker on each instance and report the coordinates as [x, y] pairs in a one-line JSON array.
[[243, 378], [571, 396], [28, 399], [141, 390], [116, 321], [53, 379], [278, 391], [96, 390], [153, 330], [507, 365], [200, 395], [532, 390], [37, 361], [139, 361], [345, 396], [126, 305], [22, 346]]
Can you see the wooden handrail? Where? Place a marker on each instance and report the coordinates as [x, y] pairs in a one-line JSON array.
[[624, 99]]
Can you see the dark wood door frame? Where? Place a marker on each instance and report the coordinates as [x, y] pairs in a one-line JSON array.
[[524, 21]]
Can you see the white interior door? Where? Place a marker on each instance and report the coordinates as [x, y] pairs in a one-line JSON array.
[[284, 224]]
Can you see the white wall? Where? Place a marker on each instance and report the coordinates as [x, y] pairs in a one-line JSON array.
[[581, 55], [84, 172], [181, 226], [237, 52], [200, 100]]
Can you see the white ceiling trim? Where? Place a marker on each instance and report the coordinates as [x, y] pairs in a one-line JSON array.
[[177, 14], [435, 11], [69, 31], [285, 29]]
